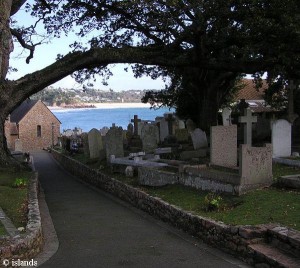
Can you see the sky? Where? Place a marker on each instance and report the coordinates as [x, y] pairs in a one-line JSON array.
[[46, 54]]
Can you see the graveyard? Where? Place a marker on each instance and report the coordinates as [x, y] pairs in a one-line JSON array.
[[172, 159]]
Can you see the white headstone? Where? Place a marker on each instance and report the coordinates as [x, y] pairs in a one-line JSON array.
[[199, 139], [226, 116], [281, 138]]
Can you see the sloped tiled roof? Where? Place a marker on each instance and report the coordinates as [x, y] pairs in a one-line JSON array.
[[17, 115], [249, 92]]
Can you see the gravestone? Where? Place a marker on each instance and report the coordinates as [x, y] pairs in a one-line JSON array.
[[163, 129], [136, 121], [281, 138], [95, 144], [150, 137], [114, 142], [130, 130], [190, 125], [223, 146], [141, 124], [85, 143], [199, 139], [182, 135], [180, 124], [104, 130], [170, 119], [247, 121], [18, 145], [255, 166], [226, 116]]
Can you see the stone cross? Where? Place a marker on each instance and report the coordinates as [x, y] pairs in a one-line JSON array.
[[170, 120], [247, 120], [135, 121]]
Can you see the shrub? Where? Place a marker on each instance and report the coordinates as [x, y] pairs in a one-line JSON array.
[[20, 183], [212, 202]]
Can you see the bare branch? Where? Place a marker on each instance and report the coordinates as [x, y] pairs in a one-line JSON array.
[[22, 42]]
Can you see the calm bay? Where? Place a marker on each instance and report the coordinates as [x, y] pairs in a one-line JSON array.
[[89, 118]]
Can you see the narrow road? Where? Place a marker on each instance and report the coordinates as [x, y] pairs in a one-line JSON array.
[[95, 229]]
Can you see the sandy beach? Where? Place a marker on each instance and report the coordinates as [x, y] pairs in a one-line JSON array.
[[107, 106]]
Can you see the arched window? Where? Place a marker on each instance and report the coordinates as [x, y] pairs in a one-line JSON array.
[[39, 131]]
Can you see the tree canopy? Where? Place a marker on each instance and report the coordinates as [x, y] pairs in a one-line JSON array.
[[236, 36], [202, 45]]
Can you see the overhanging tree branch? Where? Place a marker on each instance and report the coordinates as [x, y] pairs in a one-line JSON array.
[[22, 42]]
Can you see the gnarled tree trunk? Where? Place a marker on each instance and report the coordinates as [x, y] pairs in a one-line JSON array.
[[5, 37]]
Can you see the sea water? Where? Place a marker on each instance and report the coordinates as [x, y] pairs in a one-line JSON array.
[[86, 119]]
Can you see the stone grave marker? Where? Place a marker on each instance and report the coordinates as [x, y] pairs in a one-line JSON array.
[[247, 120], [226, 116], [223, 146], [180, 124], [104, 130], [114, 142], [95, 144], [163, 129], [18, 145], [85, 143], [255, 166], [130, 129], [281, 138], [170, 119], [182, 135], [135, 121], [190, 125], [150, 137], [199, 139]]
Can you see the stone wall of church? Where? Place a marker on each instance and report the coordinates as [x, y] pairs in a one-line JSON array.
[[34, 138], [10, 139]]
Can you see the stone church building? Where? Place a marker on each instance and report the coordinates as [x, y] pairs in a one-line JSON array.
[[31, 126]]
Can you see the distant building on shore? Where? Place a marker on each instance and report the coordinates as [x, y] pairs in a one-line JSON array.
[[31, 126]]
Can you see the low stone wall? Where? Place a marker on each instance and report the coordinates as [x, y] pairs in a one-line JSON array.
[[27, 245], [203, 179], [155, 177], [285, 238], [232, 239]]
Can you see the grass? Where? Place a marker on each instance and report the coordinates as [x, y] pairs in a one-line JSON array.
[[13, 200], [282, 170], [269, 205]]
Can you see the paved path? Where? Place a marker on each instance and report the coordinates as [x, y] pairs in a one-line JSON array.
[[95, 229]]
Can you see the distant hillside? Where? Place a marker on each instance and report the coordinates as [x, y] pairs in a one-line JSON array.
[[59, 96]]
